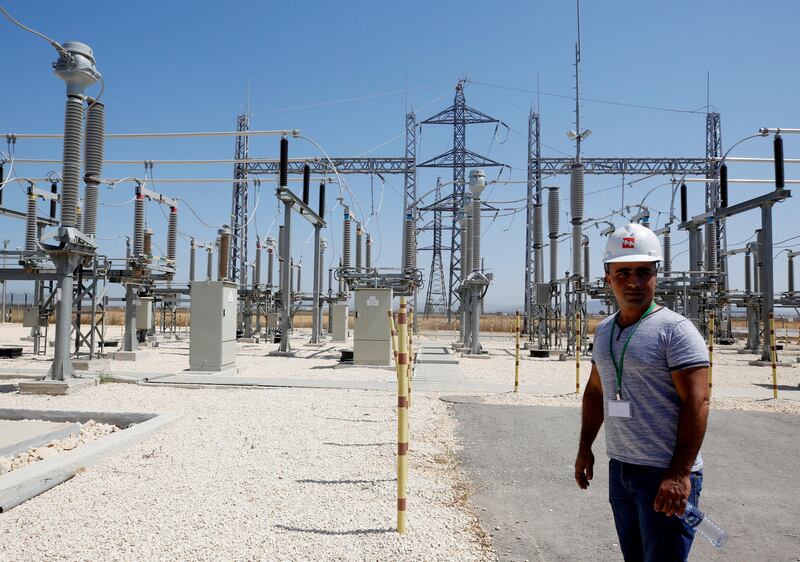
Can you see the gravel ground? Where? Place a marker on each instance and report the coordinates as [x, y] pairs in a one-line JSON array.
[[253, 474]]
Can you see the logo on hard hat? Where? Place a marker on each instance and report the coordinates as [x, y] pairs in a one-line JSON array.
[[628, 242]]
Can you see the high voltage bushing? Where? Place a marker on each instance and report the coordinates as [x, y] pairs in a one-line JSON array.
[[306, 182], [667, 252], [322, 200], [777, 145], [359, 244], [538, 243], [684, 203], [257, 269], [463, 222], [368, 253], [552, 224], [586, 258], [172, 235], [284, 167], [410, 242], [477, 183], [138, 223], [466, 241], [224, 250], [209, 263], [70, 176], [576, 210], [148, 243], [346, 239], [723, 185], [711, 245], [270, 260], [192, 258], [299, 277], [93, 163], [790, 272], [30, 222]]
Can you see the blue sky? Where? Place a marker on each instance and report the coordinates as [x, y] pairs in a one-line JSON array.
[[186, 66]]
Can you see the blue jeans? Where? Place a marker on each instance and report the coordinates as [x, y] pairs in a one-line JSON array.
[[645, 534]]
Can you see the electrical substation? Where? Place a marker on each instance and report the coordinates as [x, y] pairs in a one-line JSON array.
[[128, 288]]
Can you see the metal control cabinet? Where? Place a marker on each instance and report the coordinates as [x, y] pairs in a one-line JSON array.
[[340, 316], [212, 346], [372, 340]]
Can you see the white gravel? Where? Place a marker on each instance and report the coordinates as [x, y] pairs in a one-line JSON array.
[[252, 474]]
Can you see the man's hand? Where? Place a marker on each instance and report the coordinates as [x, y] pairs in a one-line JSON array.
[[584, 467], [673, 493]]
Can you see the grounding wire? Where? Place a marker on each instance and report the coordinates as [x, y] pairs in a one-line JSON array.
[[55, 44]]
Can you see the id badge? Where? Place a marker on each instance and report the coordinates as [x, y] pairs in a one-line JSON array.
[[619, 408]]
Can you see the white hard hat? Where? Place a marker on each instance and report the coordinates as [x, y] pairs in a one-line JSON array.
[[632, 243]]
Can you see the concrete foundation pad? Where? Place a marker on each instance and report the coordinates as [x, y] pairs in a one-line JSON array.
[[747, 351], [476, 355], [57, 388], [91, 364], [277, 353], [26, 338], [760, 363], [17, 436], [349, 365], [248, 340], [319, 344], [126, 355]]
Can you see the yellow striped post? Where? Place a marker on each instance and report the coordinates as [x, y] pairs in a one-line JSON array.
[[402, 416], [773, 355], [393, 335], [516, 357], [578, 352], [710, 349]]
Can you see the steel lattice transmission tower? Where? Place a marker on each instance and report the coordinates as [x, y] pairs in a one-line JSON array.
[[459, 115], [238, 254], [436, 298]]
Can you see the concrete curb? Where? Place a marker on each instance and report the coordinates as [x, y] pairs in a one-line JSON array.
[[25, 483]]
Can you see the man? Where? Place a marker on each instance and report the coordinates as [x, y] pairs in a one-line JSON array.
[[649, 385]]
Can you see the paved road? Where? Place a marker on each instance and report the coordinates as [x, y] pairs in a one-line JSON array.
[[520, 462]]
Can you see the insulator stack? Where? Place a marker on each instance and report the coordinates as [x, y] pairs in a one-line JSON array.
[[711, 246], [93, 163], [148, 243], [284, 163], [257, 270], [723, 185], [586, 258], [552, 216], [700, 250], [192, 259], [778, 151], [684, 203], [322, 200], [476, 234], [172, 235], [410, 243], [576, 210], [359, 244], [748, 267], [30, 222], [209, 264], [270, 265], [368, 253], [299, 278], [538, 243], [667, 252], [71, 172], [306, 182], [138, 225], [466, 243], [346, 240], [224, 252], [790, 272]]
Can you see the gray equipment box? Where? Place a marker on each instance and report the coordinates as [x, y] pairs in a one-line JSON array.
[[212, 346], [31, 319], [340, 316], [542, 293], [273, 319], [144, 313], [372, 341]]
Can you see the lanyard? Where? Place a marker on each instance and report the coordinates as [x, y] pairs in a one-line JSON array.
[[618, 367]]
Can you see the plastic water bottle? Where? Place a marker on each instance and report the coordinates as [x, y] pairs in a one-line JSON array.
[[697, 520]]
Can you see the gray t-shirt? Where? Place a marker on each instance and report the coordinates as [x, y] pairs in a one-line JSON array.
[[664, 342]]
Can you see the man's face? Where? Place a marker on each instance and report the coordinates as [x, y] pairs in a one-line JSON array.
[[634, 284]]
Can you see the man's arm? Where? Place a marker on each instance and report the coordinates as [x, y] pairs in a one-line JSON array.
[[591, 421], [692, 387]]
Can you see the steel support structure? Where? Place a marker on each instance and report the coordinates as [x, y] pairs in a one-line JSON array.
[[436, 297], [238, 254], [533, 255]]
